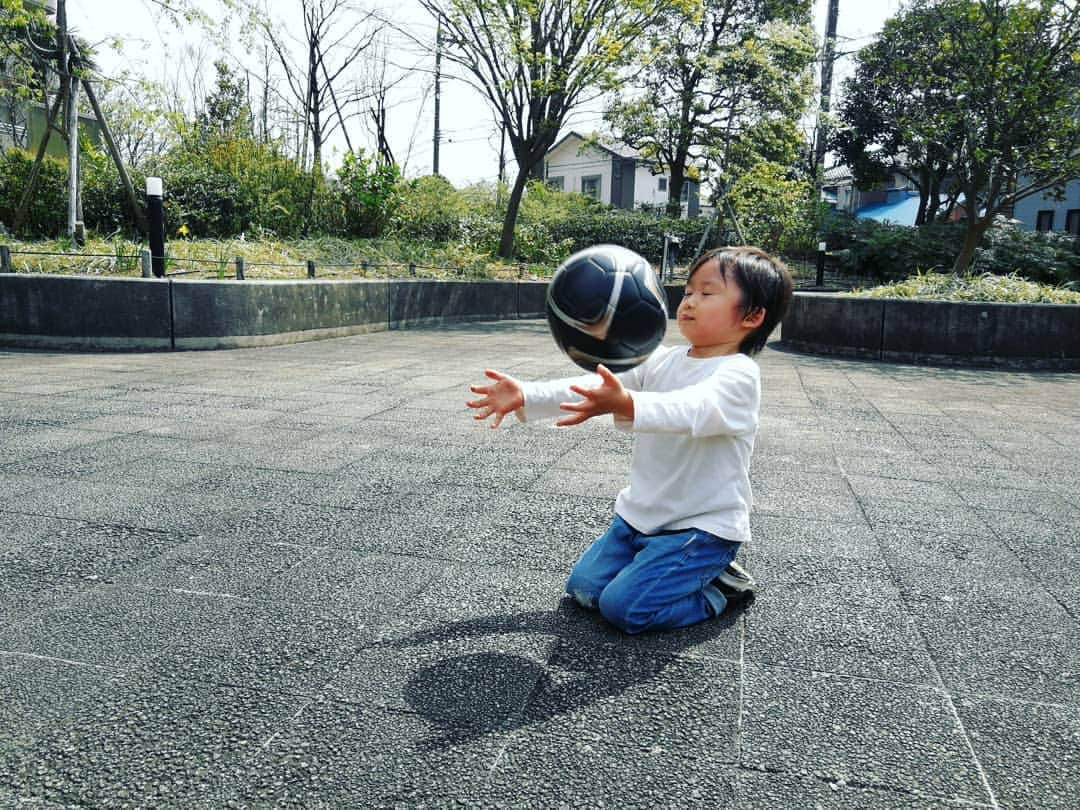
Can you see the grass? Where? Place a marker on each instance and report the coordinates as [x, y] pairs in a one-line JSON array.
[[1010, 289], [267, 259]]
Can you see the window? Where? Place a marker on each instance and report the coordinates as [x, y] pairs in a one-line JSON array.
[[1044, 221], [685, 196], [661, 184], [555, 183], [590, 186], [1072, 222]]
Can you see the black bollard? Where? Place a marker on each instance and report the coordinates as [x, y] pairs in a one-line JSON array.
[[155, 219], [310, 269]]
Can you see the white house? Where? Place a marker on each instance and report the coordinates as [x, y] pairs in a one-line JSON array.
[[617, 176], [1041, 212]]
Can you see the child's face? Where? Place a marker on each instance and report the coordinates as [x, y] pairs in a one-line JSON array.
[[710, 314]]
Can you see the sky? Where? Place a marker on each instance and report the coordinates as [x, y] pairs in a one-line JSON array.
[[469, 147]]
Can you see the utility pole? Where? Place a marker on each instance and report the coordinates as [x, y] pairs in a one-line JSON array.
[[438, 82], [827, 58], [69, 90]]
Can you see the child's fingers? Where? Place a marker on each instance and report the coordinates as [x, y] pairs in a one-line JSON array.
[[567, 421], [497, 420], [585, 392], [493, 374]]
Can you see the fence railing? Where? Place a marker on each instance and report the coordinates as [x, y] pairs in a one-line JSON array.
[[804, 271], [240, 268]]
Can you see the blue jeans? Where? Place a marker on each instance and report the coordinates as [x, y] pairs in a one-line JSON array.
[[651, 581]]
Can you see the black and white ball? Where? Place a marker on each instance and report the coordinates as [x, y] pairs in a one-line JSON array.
[[605, 305]]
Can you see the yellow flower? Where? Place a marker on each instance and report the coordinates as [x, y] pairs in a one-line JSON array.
[[183, 230]]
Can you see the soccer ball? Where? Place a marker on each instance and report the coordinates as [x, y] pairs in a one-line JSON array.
[[605, 305]]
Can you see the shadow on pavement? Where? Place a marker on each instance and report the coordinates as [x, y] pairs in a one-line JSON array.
[[590, 662]]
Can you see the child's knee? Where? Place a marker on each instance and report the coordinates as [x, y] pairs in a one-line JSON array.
[[617, 604]]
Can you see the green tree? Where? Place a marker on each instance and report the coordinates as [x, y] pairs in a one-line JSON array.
[[775, 210], [712, 84], [978, 97], [226, 110], [366, 186], [536, 60]]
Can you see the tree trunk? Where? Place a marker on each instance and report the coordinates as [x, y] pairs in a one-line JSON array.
[[506, 241], [675, 187], [972, 237], [125, 179]]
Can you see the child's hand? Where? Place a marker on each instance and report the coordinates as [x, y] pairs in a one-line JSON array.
[[497, 399], [608, 397]]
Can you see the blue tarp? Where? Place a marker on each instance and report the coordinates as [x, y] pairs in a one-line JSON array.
[[901, 212]]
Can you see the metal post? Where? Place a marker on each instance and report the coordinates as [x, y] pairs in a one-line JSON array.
[[412, 268], [239, 268], [363, 267], [821, 264], [155, 217], [147, 266], [5, 259], [310, 268], [521, 270]]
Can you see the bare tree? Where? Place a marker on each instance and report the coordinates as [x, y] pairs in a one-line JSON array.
[[536, 60], [317, 73], [317, 67]]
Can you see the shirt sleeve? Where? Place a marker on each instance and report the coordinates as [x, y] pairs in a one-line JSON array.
[[542, 399], [725, 404]]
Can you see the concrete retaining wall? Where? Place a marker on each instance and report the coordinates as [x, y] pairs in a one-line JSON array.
[[1029, 336], [216, 314], [78, 312], [126, 314]]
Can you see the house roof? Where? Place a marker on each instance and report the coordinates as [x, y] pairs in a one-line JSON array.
[[620, 150], [617, 150], [837, 174]]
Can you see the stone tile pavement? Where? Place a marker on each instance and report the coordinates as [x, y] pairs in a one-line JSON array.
[[302, 576]]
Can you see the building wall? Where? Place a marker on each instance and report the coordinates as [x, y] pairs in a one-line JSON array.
[[624, 181], [1027, 210], [647, 188], [34, 118], [564, 162]]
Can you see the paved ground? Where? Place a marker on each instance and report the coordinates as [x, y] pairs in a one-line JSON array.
[[302, 575]]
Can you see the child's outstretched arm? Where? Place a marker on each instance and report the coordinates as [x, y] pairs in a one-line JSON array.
[[608, 397], [498, 398]]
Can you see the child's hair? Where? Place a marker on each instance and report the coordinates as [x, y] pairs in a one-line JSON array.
[[763, 281]]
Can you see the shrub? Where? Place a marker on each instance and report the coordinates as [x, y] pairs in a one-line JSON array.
[[365, 188], [1010, 288], [105, 204], [1050, 258], [48, 208], [427, 208], [576, 221], [885, 251], [220, 186]]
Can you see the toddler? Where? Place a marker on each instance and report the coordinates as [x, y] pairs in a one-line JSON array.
[[668, 558]]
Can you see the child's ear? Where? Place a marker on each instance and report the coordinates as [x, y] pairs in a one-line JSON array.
[[754, 318]]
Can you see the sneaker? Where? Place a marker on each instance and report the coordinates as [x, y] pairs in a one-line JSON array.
[[735, 579]]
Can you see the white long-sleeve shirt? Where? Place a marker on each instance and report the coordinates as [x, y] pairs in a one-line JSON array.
[[694, 422]]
